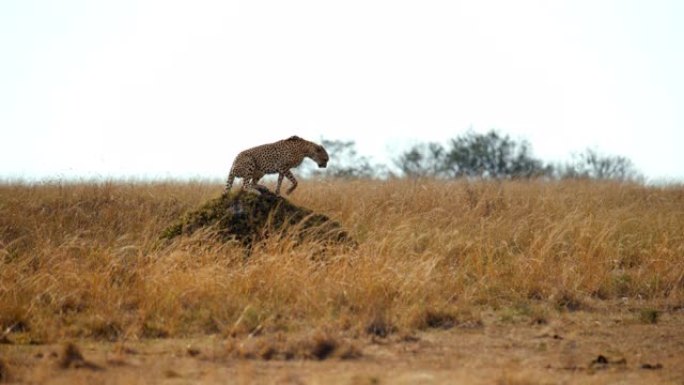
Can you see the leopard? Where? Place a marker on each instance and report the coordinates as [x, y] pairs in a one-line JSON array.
[[277, 157]]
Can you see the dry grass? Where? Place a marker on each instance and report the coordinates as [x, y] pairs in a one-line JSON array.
[[84, 260]]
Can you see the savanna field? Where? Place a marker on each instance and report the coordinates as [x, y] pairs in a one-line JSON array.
[[514, 282]]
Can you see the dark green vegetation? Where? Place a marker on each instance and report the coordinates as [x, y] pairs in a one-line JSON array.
[[491, 155]]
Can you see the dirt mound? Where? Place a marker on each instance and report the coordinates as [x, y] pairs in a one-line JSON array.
[[249, 217]]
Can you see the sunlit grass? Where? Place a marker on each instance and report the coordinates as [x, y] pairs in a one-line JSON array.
[[84, 259]]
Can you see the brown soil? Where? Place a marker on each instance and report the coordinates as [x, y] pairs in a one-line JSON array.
[[574, 348]]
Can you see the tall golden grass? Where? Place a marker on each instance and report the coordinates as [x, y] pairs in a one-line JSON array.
[[84, 259]]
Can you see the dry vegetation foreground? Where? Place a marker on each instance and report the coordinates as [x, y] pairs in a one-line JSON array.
[[448, 282]]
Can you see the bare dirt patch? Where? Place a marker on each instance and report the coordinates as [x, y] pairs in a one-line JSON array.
[[574, 348]]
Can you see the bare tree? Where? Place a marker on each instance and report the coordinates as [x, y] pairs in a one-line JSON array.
[[345, 162], [592, 165]]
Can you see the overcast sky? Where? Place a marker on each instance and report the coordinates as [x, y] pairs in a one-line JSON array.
[[177, 88]]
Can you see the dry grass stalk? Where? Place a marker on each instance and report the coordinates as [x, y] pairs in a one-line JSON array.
[[83, 259]]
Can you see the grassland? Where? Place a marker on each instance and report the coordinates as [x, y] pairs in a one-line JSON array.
[[436, 263]]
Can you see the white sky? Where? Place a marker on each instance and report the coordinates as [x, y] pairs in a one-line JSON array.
[[178, 88]]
